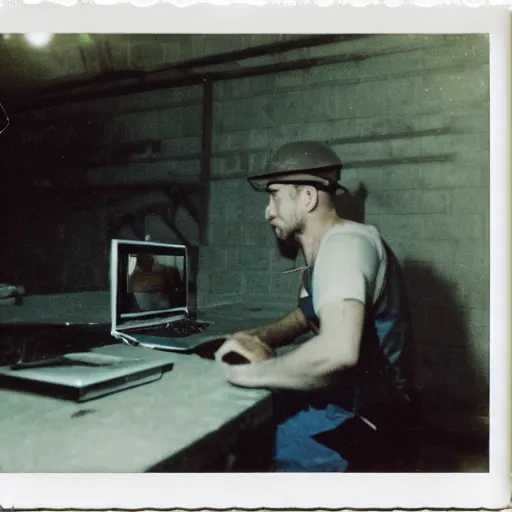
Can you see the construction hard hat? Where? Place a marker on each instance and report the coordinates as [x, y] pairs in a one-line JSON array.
[[302, 163]]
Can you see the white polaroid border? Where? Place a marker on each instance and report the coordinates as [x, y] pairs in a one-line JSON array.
[[307, 491]]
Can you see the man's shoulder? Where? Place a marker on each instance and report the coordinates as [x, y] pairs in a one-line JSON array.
[[350, 230]]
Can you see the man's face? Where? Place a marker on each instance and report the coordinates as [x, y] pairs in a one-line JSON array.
[[284, 217]]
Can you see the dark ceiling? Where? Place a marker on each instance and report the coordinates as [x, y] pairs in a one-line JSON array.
[[81, 66]]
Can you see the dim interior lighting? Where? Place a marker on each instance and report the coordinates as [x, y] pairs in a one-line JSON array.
[[39, 39]]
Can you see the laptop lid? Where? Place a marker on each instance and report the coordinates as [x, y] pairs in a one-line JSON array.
[[91, 374], [148, 284]]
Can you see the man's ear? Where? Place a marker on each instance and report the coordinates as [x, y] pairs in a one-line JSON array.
[[309, 197]]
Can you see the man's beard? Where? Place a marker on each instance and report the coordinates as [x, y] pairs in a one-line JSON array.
[[289, 247]]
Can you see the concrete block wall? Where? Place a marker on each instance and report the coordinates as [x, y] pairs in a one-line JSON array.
[[411, 123]]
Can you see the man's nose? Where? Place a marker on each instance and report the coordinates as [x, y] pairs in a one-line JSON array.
[[267, 212]]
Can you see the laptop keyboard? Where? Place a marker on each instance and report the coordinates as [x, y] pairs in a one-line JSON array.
[[177, 329]]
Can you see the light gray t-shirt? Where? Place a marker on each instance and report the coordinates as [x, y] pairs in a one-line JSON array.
[[350, 264]]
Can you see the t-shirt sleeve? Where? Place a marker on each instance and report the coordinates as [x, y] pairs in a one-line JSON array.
[[346, 268]]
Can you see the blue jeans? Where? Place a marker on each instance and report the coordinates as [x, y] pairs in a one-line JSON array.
[[297, 451]]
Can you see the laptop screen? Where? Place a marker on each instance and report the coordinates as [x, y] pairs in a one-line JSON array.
[[148, 281]]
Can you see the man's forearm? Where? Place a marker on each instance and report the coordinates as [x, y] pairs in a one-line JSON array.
[[308, 367], [284, 331]]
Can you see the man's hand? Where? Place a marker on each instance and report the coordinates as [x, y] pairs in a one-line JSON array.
[[311, 365], [245, 345]]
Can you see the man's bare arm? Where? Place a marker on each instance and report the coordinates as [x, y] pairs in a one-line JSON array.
[[311, 365], [283, 331]]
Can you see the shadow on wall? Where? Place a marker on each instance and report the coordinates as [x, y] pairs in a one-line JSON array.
[[446, 366], [351, 206]]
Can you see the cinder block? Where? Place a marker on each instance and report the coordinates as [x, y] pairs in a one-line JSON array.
[[473, 200], [473, 158], [226, 235], [479, 348], [477, 293], [372, 178], [172, 51], [321, 104], [257, 139], [470, 49], [433, 122], [453, 143], [147, 55], [286, 109], [451, 88], [378, 126], [278, 263], [224, 282], [224, 115], [161, 124], [220, 143], [477, 317], [322, 131], [214, 259], [258, 235], [226, 167], [289, 79], [237, 140], [477, 121], [252, 113], [262, 84], [191, 121], [233, 89], [254, 204], [430, 252], [470, 254], [439, 226], [362, 151], [393, 64], [403, 226], [327, 74], [226, 200], [408, 201], [338, 130], [375, 98], [258, 162], [285, 285], [220, 113], [435, 175], [182, 146], [470, 276], [185, 95], [256, 283], [249, 258], [283, 134]]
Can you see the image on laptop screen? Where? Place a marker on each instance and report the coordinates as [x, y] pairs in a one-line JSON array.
[[148, 280]]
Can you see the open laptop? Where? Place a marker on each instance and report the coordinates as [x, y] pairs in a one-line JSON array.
[[88, 375], [149, 297]]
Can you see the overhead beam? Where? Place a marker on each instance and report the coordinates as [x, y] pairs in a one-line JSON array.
[[126, 82]]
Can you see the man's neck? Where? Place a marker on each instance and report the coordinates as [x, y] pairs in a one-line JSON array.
[[314, 232]]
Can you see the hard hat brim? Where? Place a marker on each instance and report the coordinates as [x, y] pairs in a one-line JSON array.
[[261, 182]]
